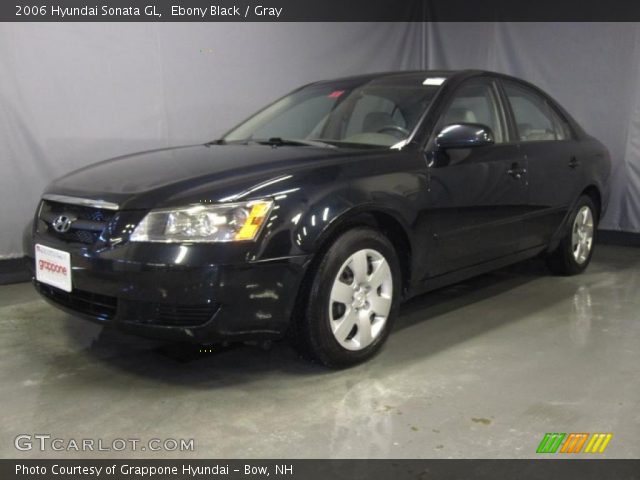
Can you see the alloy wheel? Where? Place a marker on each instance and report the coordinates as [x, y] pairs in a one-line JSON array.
[[582, 235]]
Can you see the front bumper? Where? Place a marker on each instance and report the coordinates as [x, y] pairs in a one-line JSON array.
[[144, 291]]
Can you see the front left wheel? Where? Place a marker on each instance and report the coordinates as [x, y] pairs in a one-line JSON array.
[[351, 301]]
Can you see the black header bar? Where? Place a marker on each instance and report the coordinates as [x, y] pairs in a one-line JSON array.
[[317, 10]]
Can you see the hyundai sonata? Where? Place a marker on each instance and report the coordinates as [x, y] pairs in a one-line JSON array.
[[318, 215]]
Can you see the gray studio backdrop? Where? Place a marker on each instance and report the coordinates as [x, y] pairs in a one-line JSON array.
[[72, 94]]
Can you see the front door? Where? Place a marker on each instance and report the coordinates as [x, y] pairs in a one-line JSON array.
[[479, 194]]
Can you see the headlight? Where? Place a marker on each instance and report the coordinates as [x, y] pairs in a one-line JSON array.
[[227, 222]]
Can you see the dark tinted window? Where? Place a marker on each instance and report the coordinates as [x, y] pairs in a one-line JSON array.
[[380, 113], [563, 131], [476, 102], [535, 120], [298, 120]]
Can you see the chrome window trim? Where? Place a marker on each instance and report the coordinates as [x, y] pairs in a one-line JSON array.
[[84, 202]]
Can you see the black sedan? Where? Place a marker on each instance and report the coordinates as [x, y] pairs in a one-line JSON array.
[[318, 215]]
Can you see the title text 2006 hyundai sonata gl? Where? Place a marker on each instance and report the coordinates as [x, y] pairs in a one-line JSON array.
[[319, 214]]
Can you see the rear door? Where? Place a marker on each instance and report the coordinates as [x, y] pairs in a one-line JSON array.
[[546, 140], [477, 195]]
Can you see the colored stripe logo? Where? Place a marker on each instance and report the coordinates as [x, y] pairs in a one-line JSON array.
[[574, 442], [598, 442], [550, 442]]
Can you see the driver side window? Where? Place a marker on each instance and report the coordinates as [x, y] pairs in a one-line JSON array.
[[476, 103]]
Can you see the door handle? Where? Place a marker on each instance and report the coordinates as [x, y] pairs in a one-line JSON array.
[[516, 171], [574, 163]]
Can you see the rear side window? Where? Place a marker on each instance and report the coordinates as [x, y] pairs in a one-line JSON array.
[[563, 130], [535, 119]]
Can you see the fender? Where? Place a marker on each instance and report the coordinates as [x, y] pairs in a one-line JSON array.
[[365, 214]]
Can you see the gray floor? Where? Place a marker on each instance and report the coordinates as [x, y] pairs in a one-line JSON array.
[[480, 369]]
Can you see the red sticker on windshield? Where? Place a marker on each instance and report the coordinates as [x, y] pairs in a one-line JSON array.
[[336, 93]]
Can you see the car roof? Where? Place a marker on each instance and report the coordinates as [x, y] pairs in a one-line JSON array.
[[409, 73], [458, 75]]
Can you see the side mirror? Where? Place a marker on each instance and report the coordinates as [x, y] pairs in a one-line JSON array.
[[464, 135]]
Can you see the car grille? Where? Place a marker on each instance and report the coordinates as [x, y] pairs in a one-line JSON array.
[[167, 314], [106, 307], [93, 304], [88, 222]]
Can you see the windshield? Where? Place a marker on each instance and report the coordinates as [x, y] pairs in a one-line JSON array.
[[378, 113]]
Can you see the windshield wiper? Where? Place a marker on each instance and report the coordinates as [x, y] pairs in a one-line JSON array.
[[286, 142], [218, 141], [273, 141]]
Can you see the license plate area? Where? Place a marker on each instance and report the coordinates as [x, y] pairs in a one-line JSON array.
[[53, 267]]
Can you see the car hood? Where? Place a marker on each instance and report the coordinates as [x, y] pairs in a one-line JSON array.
[[162, 177]]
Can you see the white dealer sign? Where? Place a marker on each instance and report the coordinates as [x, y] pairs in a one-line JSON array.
[[53, 267]]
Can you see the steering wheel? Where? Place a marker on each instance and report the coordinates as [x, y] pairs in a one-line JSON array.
[[395, 129]]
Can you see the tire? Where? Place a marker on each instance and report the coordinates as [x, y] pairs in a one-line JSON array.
[[573, 254], [348, 307]]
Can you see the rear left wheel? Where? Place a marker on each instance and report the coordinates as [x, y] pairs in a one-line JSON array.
[[573, 254]]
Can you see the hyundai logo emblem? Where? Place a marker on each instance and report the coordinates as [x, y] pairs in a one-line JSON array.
[[62, 224]]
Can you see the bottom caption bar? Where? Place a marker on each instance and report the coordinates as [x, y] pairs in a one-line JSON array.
[[318, 469]]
